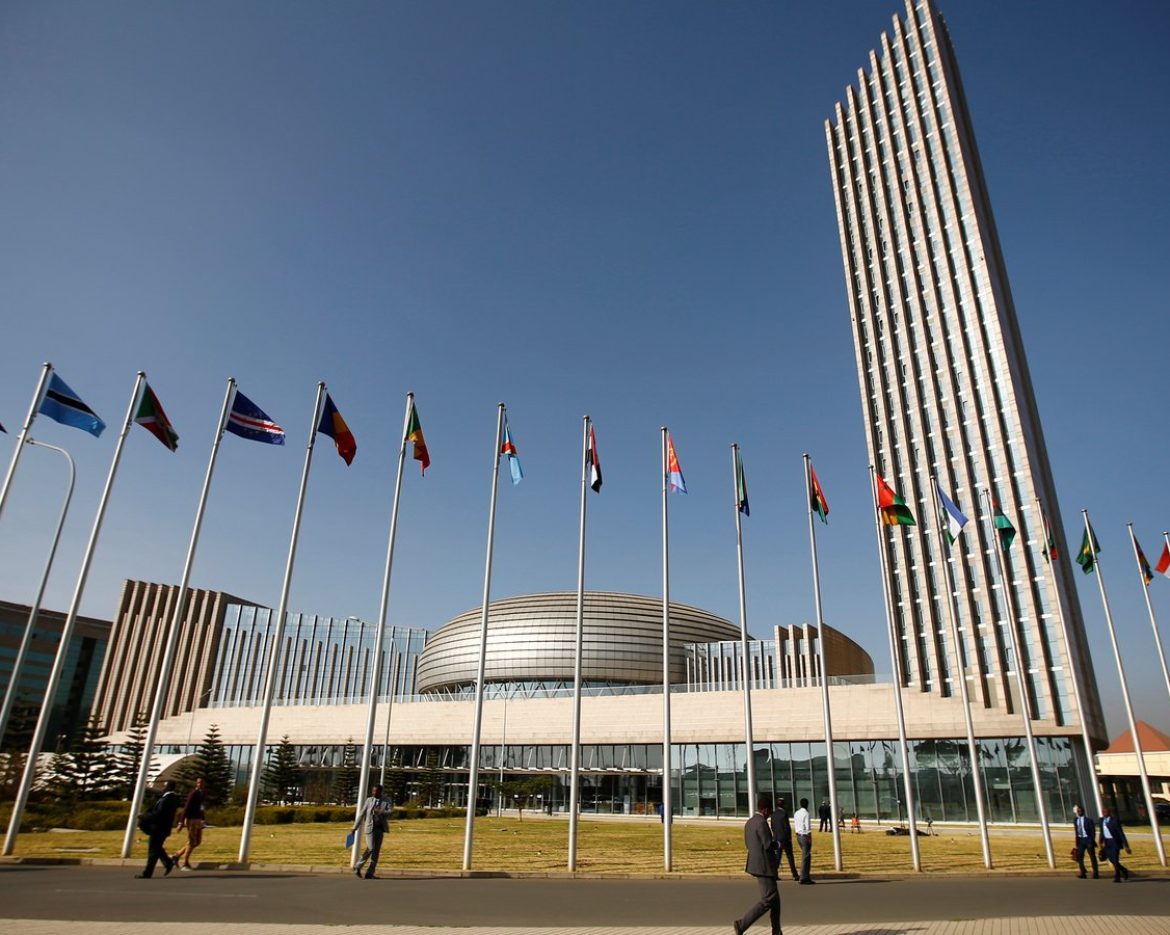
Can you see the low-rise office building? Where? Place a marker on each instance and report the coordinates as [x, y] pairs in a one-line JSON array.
[[322, 703]]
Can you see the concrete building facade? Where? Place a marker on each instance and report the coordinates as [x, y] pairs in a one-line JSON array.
[[946, 391]]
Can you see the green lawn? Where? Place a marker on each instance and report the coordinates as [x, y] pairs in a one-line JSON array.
[[604, 846]]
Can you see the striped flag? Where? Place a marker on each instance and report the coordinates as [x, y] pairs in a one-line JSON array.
[[1051, 553], [151, 417], [333, 425], [509, 449], [817, 499], [414, 433], [251, 422], [677, 483], [891, 506], [1143, 565], [62, 405], [955, 518], [593, 461]]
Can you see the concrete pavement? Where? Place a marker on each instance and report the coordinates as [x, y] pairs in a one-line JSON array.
[[72, 900]]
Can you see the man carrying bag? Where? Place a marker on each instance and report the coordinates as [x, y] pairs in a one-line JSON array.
[[373, 820], [156, 824]]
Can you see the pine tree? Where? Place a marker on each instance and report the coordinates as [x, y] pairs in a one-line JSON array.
[[87, 770], [217, 768], [282, 776], [129, 760], [345, 780]]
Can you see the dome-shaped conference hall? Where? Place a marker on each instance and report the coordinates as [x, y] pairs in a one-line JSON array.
[[427, 690]]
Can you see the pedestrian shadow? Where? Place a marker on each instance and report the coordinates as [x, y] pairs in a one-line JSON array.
[[901, 930]]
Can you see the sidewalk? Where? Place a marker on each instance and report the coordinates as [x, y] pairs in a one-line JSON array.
[[1042, 925]]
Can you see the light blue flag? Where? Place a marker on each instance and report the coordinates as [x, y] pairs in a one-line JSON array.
[[509, 449], [62, 405]]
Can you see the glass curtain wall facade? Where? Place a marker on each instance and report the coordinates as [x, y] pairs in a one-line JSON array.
[[945, 386], [710, 780]]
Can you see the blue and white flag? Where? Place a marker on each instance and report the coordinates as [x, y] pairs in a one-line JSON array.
[[62, 405], [250, 421], [955, 519]]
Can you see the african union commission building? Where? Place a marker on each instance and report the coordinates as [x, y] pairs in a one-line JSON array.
[[990, 653]]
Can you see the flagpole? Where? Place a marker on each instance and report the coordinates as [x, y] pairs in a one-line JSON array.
[[964, 693], [1137, 742], [1149, 608], [745, 667], [830, 759], [26, 639], [30, 767], [1074, 672], [33, 409], [1021, 685], [895, 660], [667, 812], [273, 673], [375, 659], [389, 710], [173, 635], [473, 774], [575, 756]]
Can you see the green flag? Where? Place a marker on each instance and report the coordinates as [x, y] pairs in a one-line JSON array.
[[1007, 532], [1087, 557]]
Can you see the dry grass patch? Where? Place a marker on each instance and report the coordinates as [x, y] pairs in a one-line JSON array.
[[606, 846]]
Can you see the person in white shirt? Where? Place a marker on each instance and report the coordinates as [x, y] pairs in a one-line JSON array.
[[802, 825]]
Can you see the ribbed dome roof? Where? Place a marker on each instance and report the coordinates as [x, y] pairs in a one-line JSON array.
[[532, 637]]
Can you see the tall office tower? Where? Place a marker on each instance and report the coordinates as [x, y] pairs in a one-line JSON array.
[[946, 390]]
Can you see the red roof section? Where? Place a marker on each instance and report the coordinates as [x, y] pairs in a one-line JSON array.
[[1151, 738]]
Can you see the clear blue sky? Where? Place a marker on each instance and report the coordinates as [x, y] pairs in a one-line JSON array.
[[614, 208]]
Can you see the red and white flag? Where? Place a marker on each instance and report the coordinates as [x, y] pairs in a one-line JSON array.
[[1163, 566]]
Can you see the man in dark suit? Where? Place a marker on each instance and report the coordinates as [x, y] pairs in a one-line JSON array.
[[825, 813], [1085, 830], [1113, 839], [159, 820], [782, 832], [762, 863]]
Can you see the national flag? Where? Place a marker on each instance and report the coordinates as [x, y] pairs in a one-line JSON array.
[[677, 484], [955, 518], [62, 405], [892, 507], [1052, 553], [741, 495], [1087, 557], [151, 417], [249, 421], [414, 433], [1007, 532], [593, 462], [1143, 565], [1163, 566], [509, 449], [817, 499], [333, 425]]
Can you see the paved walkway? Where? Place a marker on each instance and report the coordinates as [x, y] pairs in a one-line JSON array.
[[1032, 925]]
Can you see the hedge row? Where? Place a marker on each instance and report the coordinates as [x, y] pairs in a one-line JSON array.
[[111, 816]]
